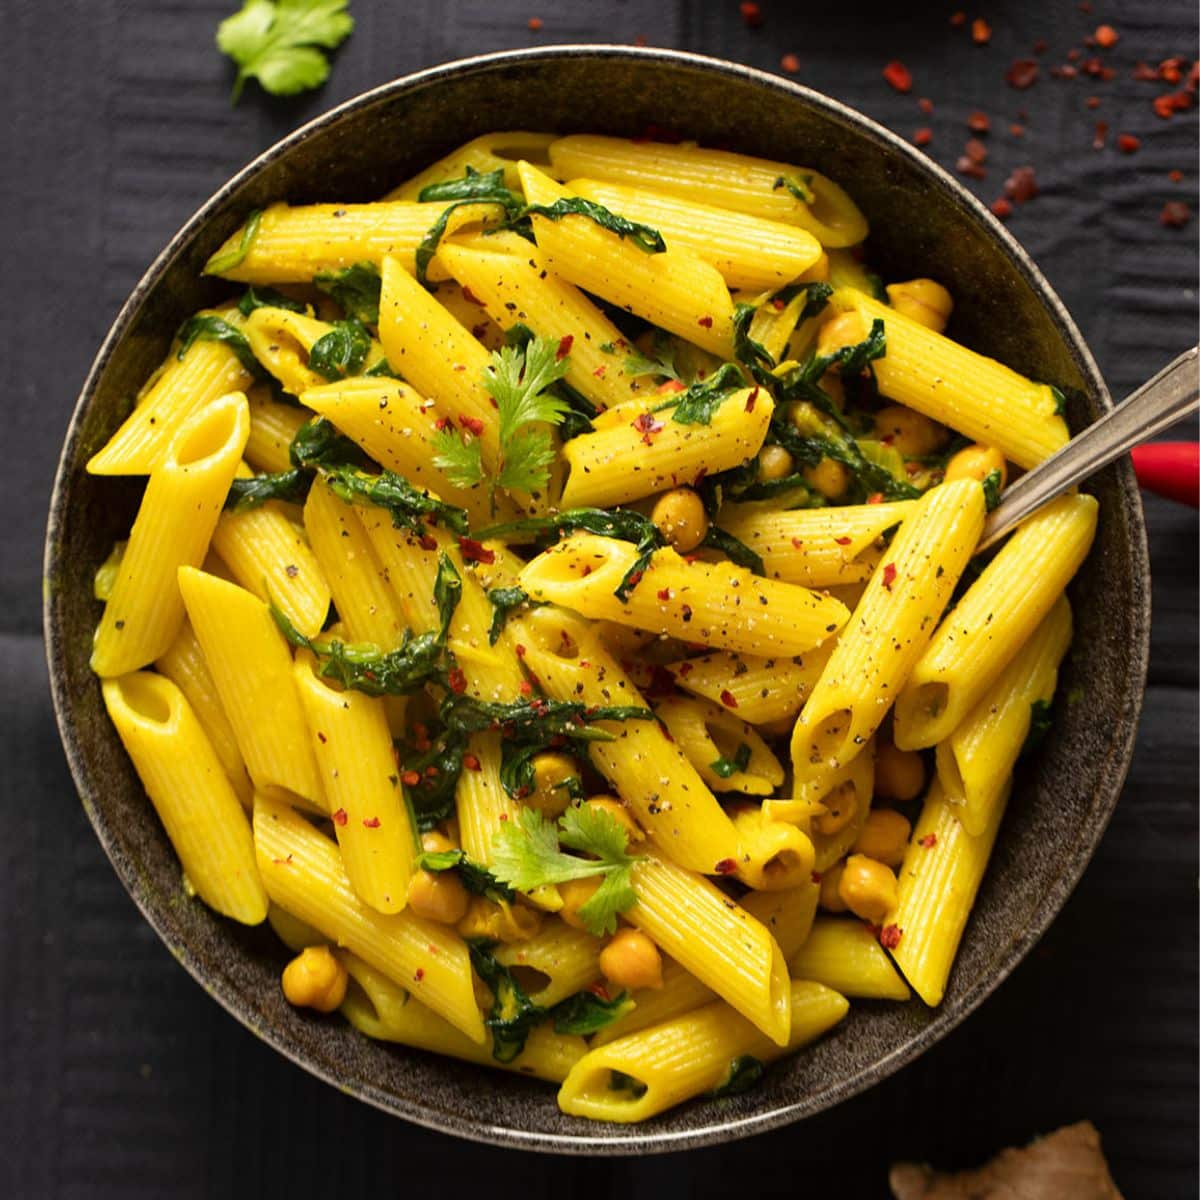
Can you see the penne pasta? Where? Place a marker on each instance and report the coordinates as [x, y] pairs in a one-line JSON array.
[[273, 425], [490, 152], [845, 955], [714, 741]]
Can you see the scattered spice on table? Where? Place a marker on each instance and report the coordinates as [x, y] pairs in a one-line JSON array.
[[1175, 214], [981, 32], [751, 13], [898, 75], [790, 63]]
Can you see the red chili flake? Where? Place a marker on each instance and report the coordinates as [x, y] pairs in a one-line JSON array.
[[797, 543], [457, 681], [669, 388], [600, 371], [1175, 214], [1021, 185], [1128, 144], [1039, 47], [889, 575], [443, 423], [728, 699], [726, 866], [526, 688], [1017, 130], [664, 593], [705, 322], [598, 989], [1092, 102], [520, 650], [928, 841], [875, 498], [647, 426], [635, 578], [1096, 69], [958, 19], [1002, 208], [535, 23], [1175, 176], [371, 822], [473, 551], [1170, 70], [1100, 135], [685, 669], [976, 150], [979, 122], [474, 424], [1074, 55], [922, 136], [427, 541], [981, 32], [964, 166], [419, 974], [889, 937], [1064, 72], [790, 63], [1106, 36], [410, 778], [751, 400], [898, 75], [564, 347], [925, 105], [1022, 73], [470, 296], [751, 13], [339, 816], [1193, 80], [843, 541], [1145, 73], [1165, 106]]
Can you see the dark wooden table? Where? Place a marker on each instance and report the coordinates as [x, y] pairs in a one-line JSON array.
[[118, 1077]]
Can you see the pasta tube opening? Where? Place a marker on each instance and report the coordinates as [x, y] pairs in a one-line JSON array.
[[150, 700], [211, 433]]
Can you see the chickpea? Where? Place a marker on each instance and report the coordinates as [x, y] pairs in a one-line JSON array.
[[436, 842], [774, 462], [909, 432], [680, 515], [829, 478], [899, 774], [977, 462], [830, 898], [575, 893], [923, 300], [631, 960], [617, 810], [315, 979], [840, 806], [868, 888], [437, 896], [846, 329], [884, 836], [552, 776]]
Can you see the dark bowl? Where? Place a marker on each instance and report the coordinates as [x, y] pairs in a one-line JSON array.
[[923, 223]]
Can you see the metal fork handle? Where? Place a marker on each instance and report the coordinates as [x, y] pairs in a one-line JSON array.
[[1171, 395]]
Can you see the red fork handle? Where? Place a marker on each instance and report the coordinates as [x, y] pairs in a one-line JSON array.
[[1170, 469]]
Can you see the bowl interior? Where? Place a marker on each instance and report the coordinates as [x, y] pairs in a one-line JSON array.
[[922, 223]]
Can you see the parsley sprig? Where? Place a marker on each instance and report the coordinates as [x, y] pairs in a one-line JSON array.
[[282, 43], [527, 854], [519, 379]]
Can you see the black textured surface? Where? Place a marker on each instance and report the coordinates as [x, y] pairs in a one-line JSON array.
[[122, 1078]]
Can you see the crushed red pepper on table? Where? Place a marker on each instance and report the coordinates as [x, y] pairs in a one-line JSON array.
[[981, 32], [898, 75], [1175, 214], [790, 63], [751, 13]]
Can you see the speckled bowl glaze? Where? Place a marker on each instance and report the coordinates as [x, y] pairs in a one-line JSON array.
[[923, 223]]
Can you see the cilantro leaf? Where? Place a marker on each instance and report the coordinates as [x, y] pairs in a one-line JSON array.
[[458, 457], [410, 507], [526, 854], [281, 43], [661, 360]]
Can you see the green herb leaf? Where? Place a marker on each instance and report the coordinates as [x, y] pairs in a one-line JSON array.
[[800, 186], [410, 507], [727, 767], [521, 720], [1060, 400], [319, 443], [281, 43], [220, 262], [744, 1073], [432, 798], [526, 855], [503, 601], [477, 879], [745, 349], [268, 297], [475, 187], [991, 489], [642, 236], [698, 403], [660, 362], [355, 288], [513, 1014], [342, 351], [246, 494], [458, 456], [586, 1012], [209, 328], [1040, 723], [733, 548]]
